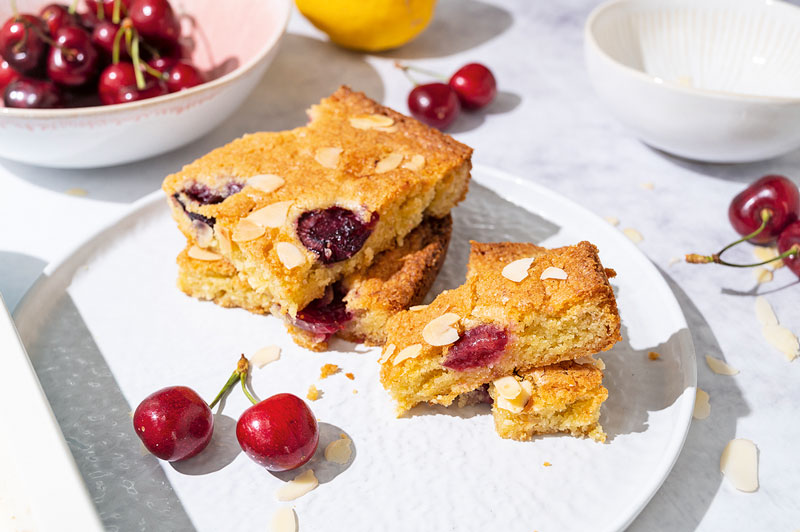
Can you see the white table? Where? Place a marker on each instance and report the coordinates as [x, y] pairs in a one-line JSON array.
[[548, 126]]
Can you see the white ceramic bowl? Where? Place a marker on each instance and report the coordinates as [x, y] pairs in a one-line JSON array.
[[234, 40], [711, 80]]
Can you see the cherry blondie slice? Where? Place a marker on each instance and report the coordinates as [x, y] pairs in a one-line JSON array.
[[521, 307], [356, 308], [296, 211]]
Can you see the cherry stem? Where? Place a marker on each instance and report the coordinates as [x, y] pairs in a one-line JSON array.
[[243, 379], [14, 9], [117, 41], [101, 14], [408, 75], [137, 64], [766, 216], [115, 14], [405, 68], [241, 370], [73, 7]]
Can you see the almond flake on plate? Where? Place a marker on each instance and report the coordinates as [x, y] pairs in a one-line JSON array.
[[783, 340], [387, 352], [246, 230], [265, 355], [762, 275], [338, 451], [634, 235], [371, 121], [508, 387], [764, 253], [702, 408], [328, 157], [302, 484], [648, 186], [77, 192], [739, 464], [411, 351], [390, 162], [553, 273], [719, 367], [764, 312], [415, 164], [517, 270], [273, 215], [439, 331], [266, 182], [283, 520], [199, 253], [613, 220], [289, 255], [224, 238], [674, 260]]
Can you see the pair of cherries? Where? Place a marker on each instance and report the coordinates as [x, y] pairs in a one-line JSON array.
[[766, 212], [279, 433]]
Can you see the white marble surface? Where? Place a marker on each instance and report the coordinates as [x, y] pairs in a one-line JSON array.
[[548, 126]]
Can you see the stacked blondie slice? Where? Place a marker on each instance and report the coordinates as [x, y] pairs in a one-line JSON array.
[[523, 327], [333, 226]]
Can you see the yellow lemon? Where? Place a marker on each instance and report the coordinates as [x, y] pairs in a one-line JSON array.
[[372, 25]]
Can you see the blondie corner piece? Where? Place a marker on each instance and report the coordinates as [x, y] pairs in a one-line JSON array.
[[296, 211]]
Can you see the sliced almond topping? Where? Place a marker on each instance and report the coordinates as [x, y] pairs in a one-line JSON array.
[[199, 253], [266, 182], [719, 367], [415, 164], [702, 408], [389, 129], [411, 351], [265, 355], [246, 230], [302, 484], [633, 234], [518, 403], [439, 331], [203, 233], [553, 273], [417, 307], [589, 359], [518, 270], [762, 275], [783, 340], [224, 239], [739, 464], [339, 451], [273, 215], [371, 121], [508, 387], [764, 312], [613, 220], [390, 162], [763, 253], [527, 387], [328, 157], [290, 255], [283, 520], [387, 352]]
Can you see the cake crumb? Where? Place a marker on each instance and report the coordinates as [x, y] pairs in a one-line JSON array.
[[634, 235], [652, 355], [313, 393], [327, 370], [355, 391], [350, 376], [547, 464]]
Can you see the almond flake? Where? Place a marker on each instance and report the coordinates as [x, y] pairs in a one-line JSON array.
[[265, 355], [674, 260], [764, 312], [702, 408], [77, 192], [783, 340], [302, 484], [633, 234], [648, 186], [389, 129], [719, 367], [328, 157], [224, 238], [390, 162], [289, 255], [553, 273], [762, 275], [199, 253], [266, 182], [764, 253], [371, 121], [518, 270], [415, 164], [283, 520], [387, 352], [518, 403], [273, 215], [439, 331], [203, 233], [739, 464], [417, 307], [589, 359], [339, 451], [508, 387], [411, 351], [613, 220], [246, 230]]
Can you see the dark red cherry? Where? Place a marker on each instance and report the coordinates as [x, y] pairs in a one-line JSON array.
[[774, 194], [73, 58], [56, 16], [152, 89], [279, 433], [155, 21], [435, 104], [183, 75], [118, 85], [334, 234], [205, 195], [163, 64], [103, 36], [325, 315], [26, 93], [475, 85], [7, 74], [174, 423], [107, 8], [22, 43], [477, 348], [790, 237]]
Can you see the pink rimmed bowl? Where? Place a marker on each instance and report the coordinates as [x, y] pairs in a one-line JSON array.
[[234, 42]]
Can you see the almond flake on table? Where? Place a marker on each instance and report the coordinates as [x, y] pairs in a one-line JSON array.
[[783, 340], [266, 182], [283, 520], [439, 331], [199, 253], [648, 186], [339, 451], [702, 408], [517, 270], [674, 260], [613, 220], [739, 464], [265, 355], [764, 253], [77, 192], [764, 312], [762, 275], [553, 273], [719, 367], [302, 484], [634, 235]]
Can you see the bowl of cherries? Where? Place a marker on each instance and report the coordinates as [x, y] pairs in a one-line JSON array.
[[92, 83]]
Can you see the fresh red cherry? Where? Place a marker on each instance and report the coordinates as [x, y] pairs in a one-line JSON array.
[[118, 85], [163, 64], [107, 7], [155, 21], [788, 239], [73, 58], [7, 74], [435, 104], [279, 433], [103, 37], [26, 93], [773, 196], [22, 43], [174, 423], [152, 89], [475, 85], [56, 16], [183, 75]]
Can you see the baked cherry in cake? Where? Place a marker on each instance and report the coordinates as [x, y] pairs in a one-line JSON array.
[[335, 233]]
